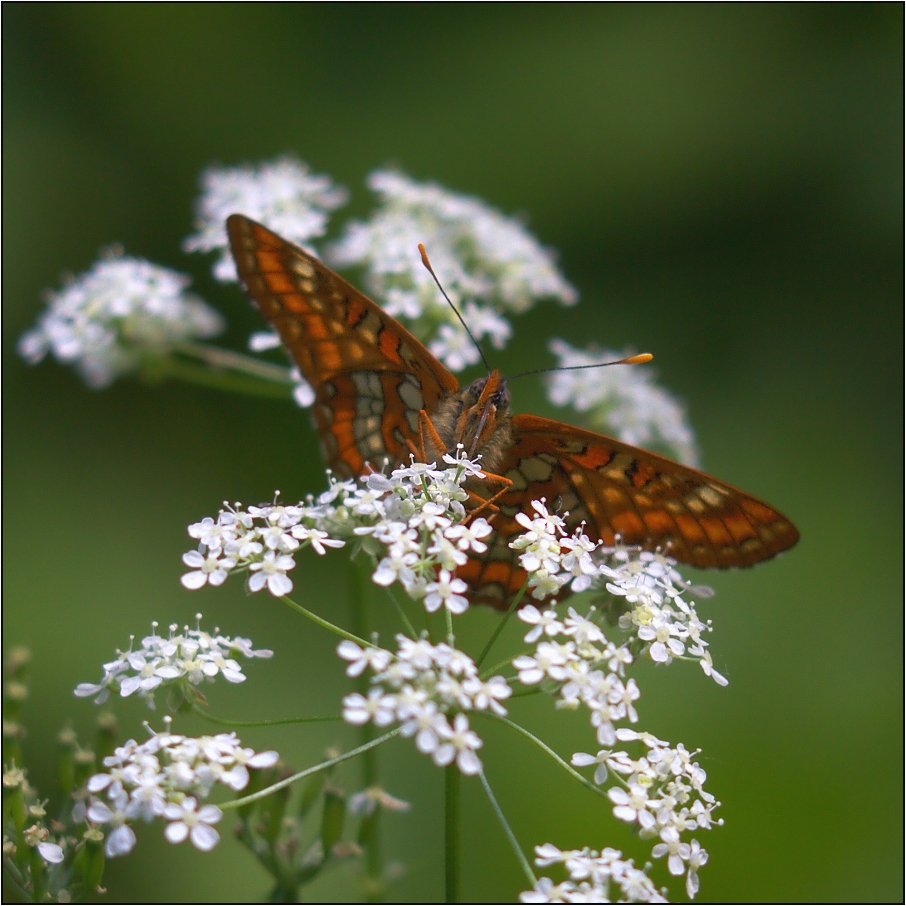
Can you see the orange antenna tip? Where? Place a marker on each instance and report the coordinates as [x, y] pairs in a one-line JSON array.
[[639, 359], [424, 254]]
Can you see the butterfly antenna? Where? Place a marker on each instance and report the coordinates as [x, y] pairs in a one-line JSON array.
[[430, 270], [639, 359]]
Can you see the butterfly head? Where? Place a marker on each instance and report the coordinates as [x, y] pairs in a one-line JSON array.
[[485, 415]]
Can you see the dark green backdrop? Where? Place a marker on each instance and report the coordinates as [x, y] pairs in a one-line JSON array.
[[724, 185]]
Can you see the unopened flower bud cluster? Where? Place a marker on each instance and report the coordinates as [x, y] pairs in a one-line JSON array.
[[666, 625], [594, 877], [185, 658], [410, 520], [427, 689], [167, 777]]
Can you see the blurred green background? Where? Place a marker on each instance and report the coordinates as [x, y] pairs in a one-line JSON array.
[[723, 183]]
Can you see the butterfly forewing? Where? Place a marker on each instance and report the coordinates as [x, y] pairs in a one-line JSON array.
[[371, 376]]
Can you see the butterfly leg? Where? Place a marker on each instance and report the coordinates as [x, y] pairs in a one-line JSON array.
[[431, 443], [488, 504]]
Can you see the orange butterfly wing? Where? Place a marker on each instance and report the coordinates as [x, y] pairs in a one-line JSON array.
[[619, 490], [370, 375], [372, 378]]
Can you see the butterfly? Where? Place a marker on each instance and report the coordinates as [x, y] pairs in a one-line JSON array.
[[379, 394]]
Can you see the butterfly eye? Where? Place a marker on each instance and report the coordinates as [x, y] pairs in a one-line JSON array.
[[476, 388]]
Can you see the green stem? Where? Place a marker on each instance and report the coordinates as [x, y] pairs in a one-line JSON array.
[[324, 624], [506, 617], [249, 381], [452, 822], [236, 361], [404, 619], [374, 865], [548, 750], [261, 723], [323, 766], [514, 843]]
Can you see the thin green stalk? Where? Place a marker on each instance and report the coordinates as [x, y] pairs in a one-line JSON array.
[[374, 862], [261, 723], [514, 843], [404, 618], [506, 618], [205, 376], [236, 361], [452, 822], [547, 749], [323, 766], [324, 624]]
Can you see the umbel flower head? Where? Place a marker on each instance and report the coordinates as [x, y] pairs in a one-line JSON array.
[[166, 777], [411, 521], [283, 193], [121, 313], [182, 660], [489, 264]]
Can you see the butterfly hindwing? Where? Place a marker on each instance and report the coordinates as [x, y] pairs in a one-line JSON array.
[[370, 375], [622, 491]]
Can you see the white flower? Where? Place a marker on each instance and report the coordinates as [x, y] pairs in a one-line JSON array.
[[378, 707], [581, 759], [110, 320], [545, 891], [697, 858], [621, 400], [632, 805], [488, 695], [549, 660], [547, 623], [271, 571], [361, 658], [207, 569], [283, 194], [196, 825], [446, 591], [460, 743], [427, 725]]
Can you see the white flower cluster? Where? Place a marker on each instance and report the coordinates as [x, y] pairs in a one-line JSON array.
[[261, 540], [166, 777], [594, 877], [623, 402], [657, 614], [488, 264], [663, 795], [411, 521], [123, 311], [574, 667], [283, 194], [182, 659], [426, 688]]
